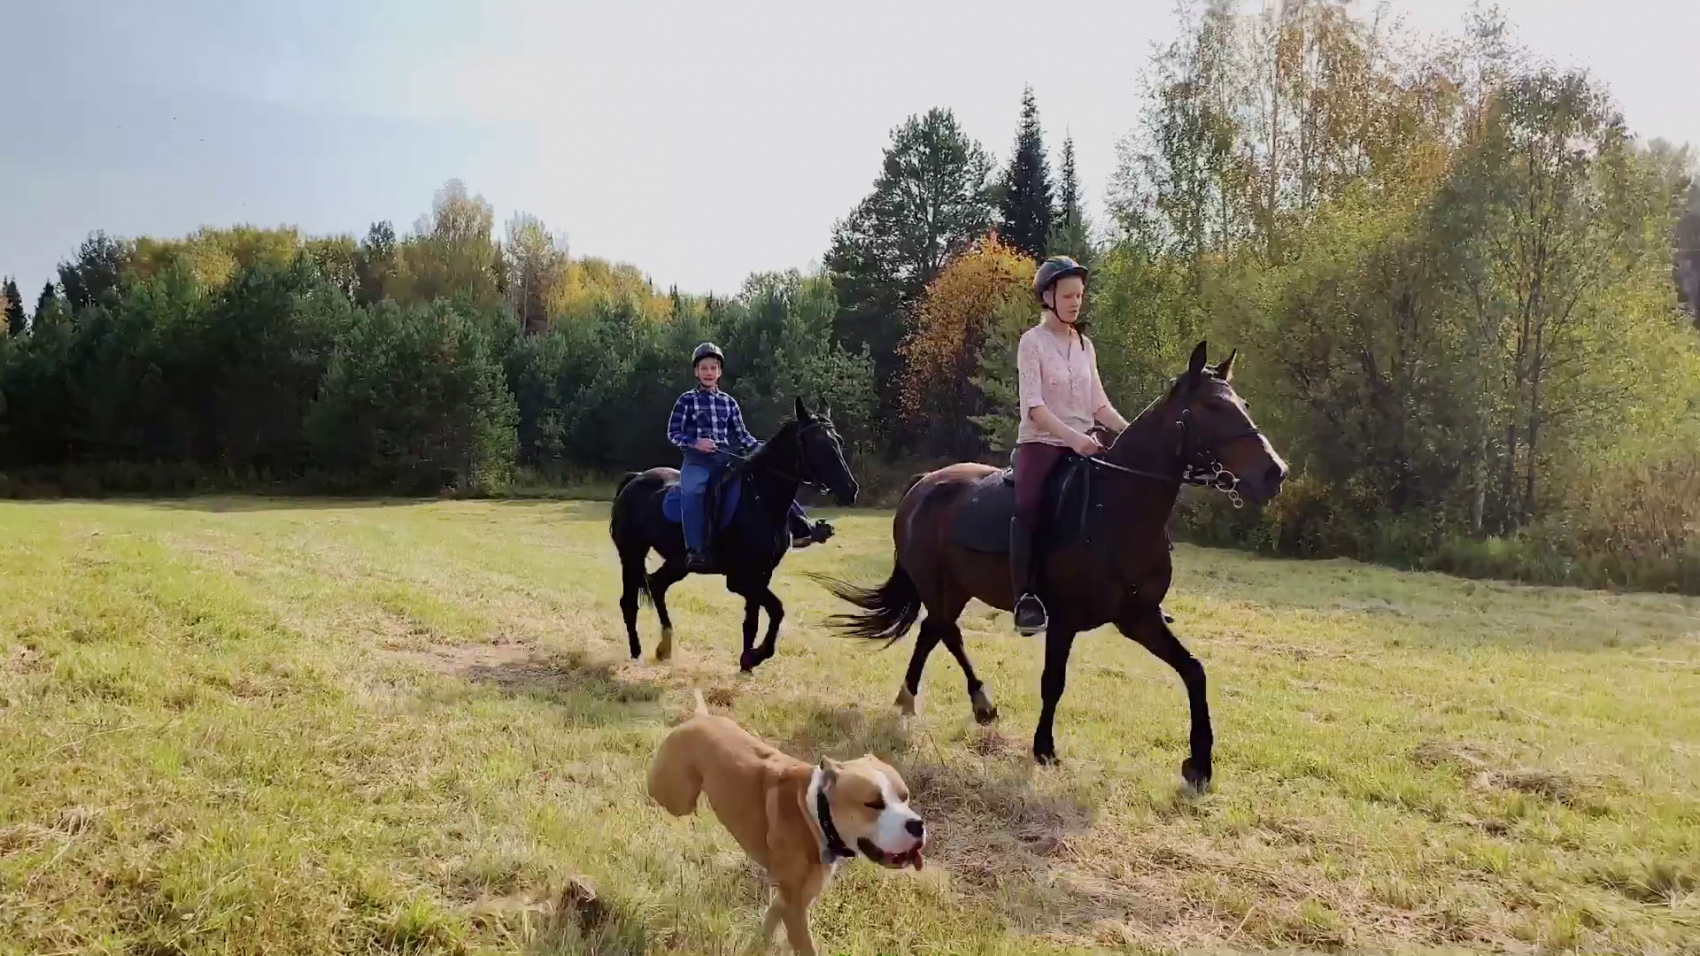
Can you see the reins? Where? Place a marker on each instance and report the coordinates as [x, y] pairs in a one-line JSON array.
[[1205, 471]]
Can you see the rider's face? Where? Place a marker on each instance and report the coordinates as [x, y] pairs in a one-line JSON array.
[[708, 373], [1067, 296]]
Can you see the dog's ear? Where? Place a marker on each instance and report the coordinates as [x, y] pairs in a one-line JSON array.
[[829, 769]]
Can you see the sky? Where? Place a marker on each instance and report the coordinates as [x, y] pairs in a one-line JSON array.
[[700, 142]]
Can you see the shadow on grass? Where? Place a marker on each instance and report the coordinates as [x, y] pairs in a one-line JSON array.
[[220, 504], [586, 692]]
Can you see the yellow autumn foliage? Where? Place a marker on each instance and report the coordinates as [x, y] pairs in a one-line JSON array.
[[942, 350]]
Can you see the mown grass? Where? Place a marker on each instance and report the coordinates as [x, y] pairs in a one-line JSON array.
[[258, 726]]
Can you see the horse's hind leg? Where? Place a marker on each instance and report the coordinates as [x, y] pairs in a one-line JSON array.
[[939, 626], [668, 575], [633, 583], [985, 711], [911, 687]]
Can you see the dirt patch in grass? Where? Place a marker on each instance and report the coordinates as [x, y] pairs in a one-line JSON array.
[[1480, 767]]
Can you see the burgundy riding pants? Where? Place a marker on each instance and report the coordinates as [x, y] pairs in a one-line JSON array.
[[1033, 464]]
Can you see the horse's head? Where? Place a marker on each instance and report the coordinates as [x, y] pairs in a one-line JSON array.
[[822, 454], [1213, 428]]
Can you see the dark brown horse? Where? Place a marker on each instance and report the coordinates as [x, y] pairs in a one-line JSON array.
[[1116, 569]]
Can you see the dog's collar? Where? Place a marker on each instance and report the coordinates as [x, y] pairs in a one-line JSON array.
[[833, 847]]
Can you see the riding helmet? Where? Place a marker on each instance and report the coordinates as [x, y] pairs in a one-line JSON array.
[[707, 350], [1053, 269]]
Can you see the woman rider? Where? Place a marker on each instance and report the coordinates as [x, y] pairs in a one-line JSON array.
[[1061, 397]]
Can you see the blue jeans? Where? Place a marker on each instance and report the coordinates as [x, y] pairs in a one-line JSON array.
[[695, 475]]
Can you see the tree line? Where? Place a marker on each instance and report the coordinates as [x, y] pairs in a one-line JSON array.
[[1464, 296]]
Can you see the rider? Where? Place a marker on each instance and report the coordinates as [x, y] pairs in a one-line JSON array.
[[705, 424], [1061, 397]]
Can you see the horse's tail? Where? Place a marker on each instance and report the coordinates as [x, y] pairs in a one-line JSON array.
[[630, 476], [614, 513], [890, 609], [636, 575]]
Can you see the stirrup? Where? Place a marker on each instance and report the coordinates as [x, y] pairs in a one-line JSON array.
[[1031, 603]]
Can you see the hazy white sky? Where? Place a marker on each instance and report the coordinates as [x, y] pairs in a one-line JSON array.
[[699, 141]]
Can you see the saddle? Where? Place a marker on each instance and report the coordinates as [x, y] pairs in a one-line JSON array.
[[1069, 498], [721, 501]]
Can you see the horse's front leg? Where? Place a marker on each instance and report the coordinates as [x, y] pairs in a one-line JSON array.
[[1059, 642], [775, 613], [748, 660], [1145, 625]]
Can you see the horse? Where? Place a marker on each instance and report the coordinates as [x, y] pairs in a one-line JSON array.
[[1115, 570], [748, 542]]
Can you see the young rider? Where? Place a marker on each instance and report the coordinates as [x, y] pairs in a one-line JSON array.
[[705, 424], [1061, 397]]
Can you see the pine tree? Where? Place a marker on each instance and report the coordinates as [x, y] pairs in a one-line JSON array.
[[16, 324], [1070, 233], [1025, 208], [48, 309]]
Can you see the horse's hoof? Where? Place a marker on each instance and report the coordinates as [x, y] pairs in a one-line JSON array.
[[905, 701], [664, 650], [1197, 780], [1045, 757], [637, 653], [985, 712], [747, 661]]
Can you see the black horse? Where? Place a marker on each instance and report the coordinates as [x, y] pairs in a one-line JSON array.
[[747, 548]]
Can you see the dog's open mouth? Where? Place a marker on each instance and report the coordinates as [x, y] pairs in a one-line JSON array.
[[891, 861]]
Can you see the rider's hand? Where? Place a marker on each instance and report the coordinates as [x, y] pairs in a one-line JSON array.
[[1084, 444], [705, 445]]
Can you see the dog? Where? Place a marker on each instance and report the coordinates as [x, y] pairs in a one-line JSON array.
[[797, 820]]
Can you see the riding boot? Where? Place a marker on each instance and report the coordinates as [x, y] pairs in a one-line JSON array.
[[702, 562], [1030, 616]]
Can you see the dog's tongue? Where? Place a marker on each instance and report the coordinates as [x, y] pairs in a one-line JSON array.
[[915, 857]]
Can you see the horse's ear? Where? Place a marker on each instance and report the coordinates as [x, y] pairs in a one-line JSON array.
[[1200, 358], [825, 407], [1225, 371], [802, 413]]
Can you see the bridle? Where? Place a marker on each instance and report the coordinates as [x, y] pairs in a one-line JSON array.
[[805, 473], [1200, 466]]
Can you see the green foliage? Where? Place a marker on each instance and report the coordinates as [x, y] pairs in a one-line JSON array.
[[1447, 277], [998, 376], [414, 399], [1024, 206], [94, 273], [376, 265], [17, 323], [931, 199], [49, 307], [1456, 283], [1071, 232]]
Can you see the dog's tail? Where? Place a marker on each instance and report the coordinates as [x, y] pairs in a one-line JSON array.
[[702, 707]]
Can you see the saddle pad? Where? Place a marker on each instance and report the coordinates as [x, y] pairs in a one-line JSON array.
[[673, 502], [982, 523]]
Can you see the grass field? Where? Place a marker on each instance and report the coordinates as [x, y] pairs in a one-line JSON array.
[[254, 726]]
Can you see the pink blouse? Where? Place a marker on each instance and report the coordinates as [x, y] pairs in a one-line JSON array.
[[1063, 377]]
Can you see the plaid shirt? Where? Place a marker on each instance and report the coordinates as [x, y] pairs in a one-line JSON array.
[[700, 413]]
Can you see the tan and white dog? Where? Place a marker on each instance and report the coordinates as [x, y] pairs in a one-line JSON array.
[[795, 819]]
